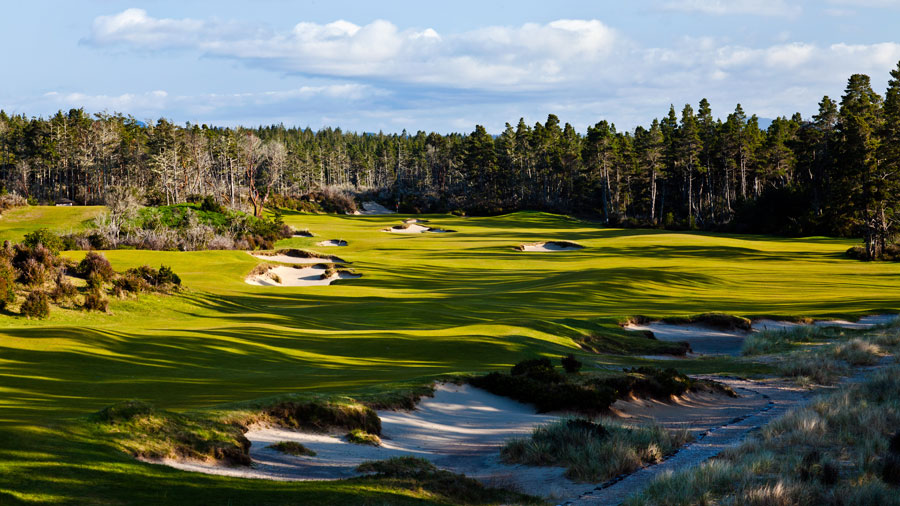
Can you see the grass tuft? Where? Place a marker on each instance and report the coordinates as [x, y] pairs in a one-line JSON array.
[[293, 448], [360, 437], [591, 451]]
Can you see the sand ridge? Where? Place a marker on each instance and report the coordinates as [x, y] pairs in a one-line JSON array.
[[285, 257]]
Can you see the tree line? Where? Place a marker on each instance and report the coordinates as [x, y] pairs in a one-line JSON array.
[[836, 173]]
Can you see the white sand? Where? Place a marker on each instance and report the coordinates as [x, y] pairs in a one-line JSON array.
[[414, 220], [548, 246], [411, 229], [460, 429], [291, 276], [711, 341], [373, 208], [287, 259], [332, 242]]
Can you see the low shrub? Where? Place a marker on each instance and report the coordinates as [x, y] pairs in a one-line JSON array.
[[858, 352], [7, 283], [44, 237], [293, 448], [36, 305], [538, 369], [32, 272], [548, 396], [63, 290], [571, 364], [11, 200], [95, 264], [321, 416], [360, 437], [812, 367], [95, 300]]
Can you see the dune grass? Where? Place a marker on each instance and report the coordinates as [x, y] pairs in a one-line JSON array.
[[428, 305], [594, 451], [835, 450]]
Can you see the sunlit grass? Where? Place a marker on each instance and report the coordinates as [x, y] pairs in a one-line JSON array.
[[427, 305]]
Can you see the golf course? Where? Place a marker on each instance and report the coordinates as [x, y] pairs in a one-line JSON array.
[[426, 307]]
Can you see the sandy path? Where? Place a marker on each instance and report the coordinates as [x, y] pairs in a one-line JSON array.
[[711, 341]]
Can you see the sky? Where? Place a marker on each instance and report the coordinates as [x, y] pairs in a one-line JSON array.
[[437, 66]]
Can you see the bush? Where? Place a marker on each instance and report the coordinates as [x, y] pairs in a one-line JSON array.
[[95, 264], [11, 200], [571, 364], [64, 289], [48, 239], [33, 273], [548, 396], [538, 369], [167, 276], [210, 205], [36, 305], [7, 283], [94, 300]]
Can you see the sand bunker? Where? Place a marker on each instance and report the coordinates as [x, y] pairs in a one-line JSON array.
[[332, 242], [294, 256], [550, 246], [282, 275], [460, 429], [373, 208], [414, 220], [414, 228], [712, 341]]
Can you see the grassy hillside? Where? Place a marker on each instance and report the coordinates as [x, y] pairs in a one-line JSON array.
[[427, 304], [17, 222]]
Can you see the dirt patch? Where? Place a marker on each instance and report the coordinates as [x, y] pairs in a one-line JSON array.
[[550, 246]]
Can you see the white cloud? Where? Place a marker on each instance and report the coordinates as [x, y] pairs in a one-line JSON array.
[[530, 56], [730, 7]]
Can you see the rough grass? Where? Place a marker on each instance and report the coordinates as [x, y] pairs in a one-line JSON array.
[[592, 455], [429, 306], [832, 451], [360, 437], [293, 448], [143, 431], [441, 486]]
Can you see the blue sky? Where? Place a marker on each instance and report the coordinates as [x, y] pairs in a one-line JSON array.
[[442, 66]]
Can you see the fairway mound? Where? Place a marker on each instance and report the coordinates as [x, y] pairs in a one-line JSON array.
[[332, 243], [281, 275], [550, 246], [295, 256], [371, 208], [414, 228]]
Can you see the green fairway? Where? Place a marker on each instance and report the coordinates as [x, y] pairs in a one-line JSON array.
[[427, 305]]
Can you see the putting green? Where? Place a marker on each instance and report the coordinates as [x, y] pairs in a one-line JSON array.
[[427, 304]]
